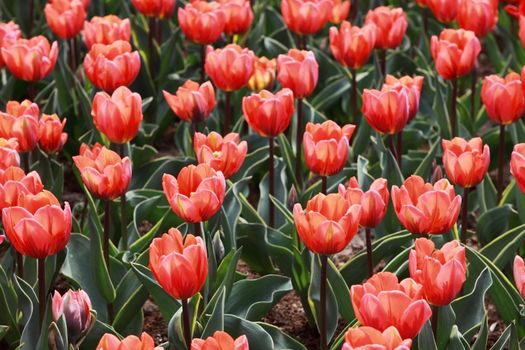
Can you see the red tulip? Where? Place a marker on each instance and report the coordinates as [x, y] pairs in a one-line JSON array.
[[306, 17], [382, 302], [40, 234], [391, 25], [113, 65], [75, 306], [30, 59], [14, 183], [521, 32], [387, 111], [104, 173], [326, 147], [18, 109], [51, 139], [230, 68], [179, 265], [196, 194], [503, 98], [155, 8], [65, 17], [413, 87], [2, 239], [85, 3], [267, 113], [368, 338], [479, 16], [328, 223], [441, 272], [32, 202], [263, 75], [239, 16], [202, 22], [517, 165], [106, 30], [9, 153], [220, 341], [340, 11], [192, 102], [117, 116], [374, 202], [20, 121], [9, 32], [466, 162], [424, 208], [351, 45], [519, 275], [444, 10], [131, 342], [454, 52], [222, 154], [298, 71]]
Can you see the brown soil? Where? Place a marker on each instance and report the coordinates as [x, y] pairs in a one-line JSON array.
[[154, 323]]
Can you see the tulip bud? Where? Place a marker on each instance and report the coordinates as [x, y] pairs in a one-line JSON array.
[[9, 32], [65, 17], [222, 154], [466, 163], [479, 16], [111, 342], [155, 8], [412, 86], [503, 98], [192, 102], [20, 121], [519, 275], [75, 306], [370, 338], [298, 71], [9, 153], [391, 25], [517, 165], [351, 45], [51, 138], [220, 340], [238, 16], [202, 22], [444, 10], [305, 17], [340, 11], [106, 30], [263, 75], [386, 111], [219, 62]]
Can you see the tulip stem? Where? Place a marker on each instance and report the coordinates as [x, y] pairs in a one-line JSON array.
[[123, 216], [501, 159], [435, 319], [84, 212], [31, 15], [324, 184], [424, 13], [197, 229], [399, 150], [382, 59], [353, 97], [72, 54], [299, 141], [392, 146], [369, 252], [25, 159], [19, 264], [322, 301], [464, 215], [105, 249], [203, 62], [151, 46], [228, 112], [271, 169], [186, 321], [453, 108], [41, 289], [473, 83]]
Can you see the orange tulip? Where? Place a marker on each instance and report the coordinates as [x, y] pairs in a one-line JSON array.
[[220, 341], [374, 202], [424, 208], [18, 109], [444, 10], [340, 11], [382, 302], [51, 139], [32, 202], [40, 234], [222, 154], [267, 113], [202, 22], [479, 16], [503, 98], [20, 121], [117, 116], [104, 173], [179, 265], [454, 52], [387, 111], [519, 274], [521, 32], [328, 223], [413, 87], [113, 65], [368, 338], [517, 165], [9, 153], [351, 45], [111, 342], [14, 183], [326, 147], [239, 16], [85, 3], [196, 194], [9, 32], [298, 71], [106, 30], [441, 272], [75, 306], [192, 102], [155, 8], [391, 25], [30, 59], [65, 17], [230, 68], [306, 17], [263, 75], [466, 162]]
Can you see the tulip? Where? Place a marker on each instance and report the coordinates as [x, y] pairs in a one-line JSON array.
[[386, 110], [113, 65], [14, 183], [220, 341], [202, 22], [75, 306], [517, 165], [298, 71], [18, 109], [30, 59], [24, 128], [196, 194], [238, 16], [441, 272], [424, 208], [65, 17], [106, 30], [391, 25], [519, 275], [111, 342], [413, 87], [85, 3], [222, 154], [479, 16], [382, 302], [103, 172], [51, 139], [340, 10], [2, 239], [192, 102], [368, 338], [32, 202], [155, 8], [9, 153], [9, 32], [466, 162], [444, 10], [306, 17], [521, 31], [117, 116], [263, 75]]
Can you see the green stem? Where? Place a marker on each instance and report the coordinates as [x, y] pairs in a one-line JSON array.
[[271, 176], [41, 290], [324, 184], [186, 323], [322, 308], [299, 142], [123, 214], [501, 160], [453, 108], [369, 252], [464, 215]]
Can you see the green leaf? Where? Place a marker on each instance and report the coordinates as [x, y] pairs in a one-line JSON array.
[[501, 250], [487, 195], [495, 222], [425, 167], [425, 338], [446, 319], [281, 340], [507, 340], [130, 298], [215, 321], [483, 335], [258, 339]]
